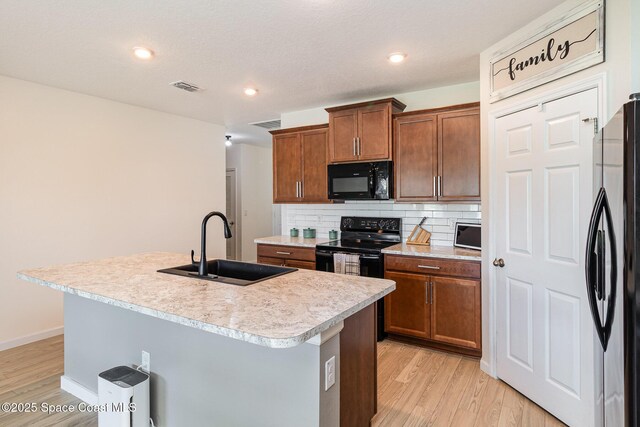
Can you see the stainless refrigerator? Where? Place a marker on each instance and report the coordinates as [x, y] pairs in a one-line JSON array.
[[612, 257]]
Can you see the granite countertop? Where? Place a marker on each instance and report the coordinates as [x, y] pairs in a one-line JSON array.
[[447, 252], [281, 312], [291, 241]]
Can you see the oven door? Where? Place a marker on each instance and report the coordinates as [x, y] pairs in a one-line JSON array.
[[371, 265], [351, 181]]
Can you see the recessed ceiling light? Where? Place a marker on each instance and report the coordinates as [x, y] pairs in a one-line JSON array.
[[142, 53], [228, 142], [249, 91], [397, 57]]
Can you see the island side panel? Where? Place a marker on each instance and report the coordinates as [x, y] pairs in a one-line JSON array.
[[199, 378], [359, 368]]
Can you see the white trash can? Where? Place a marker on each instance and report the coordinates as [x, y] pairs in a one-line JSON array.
[[123, 396]]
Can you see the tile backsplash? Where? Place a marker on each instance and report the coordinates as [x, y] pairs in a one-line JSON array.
[[441, 217]]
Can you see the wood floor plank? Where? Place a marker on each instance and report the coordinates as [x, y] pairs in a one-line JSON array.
[[532, 415], [512, 408], [491, 404], [448, 405], [469, 406]]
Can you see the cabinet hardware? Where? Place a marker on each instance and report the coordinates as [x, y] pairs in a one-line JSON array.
[[297, 194], [354, 147], [431, 285], [434, 186], [439, 186], [426, 296], [283, 253], [498, 262], [430, 267], [358, 145]]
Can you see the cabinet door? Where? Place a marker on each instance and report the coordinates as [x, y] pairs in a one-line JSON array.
[[343, 129], [455, 312], [314, 165], [459, 155], [294, 263], [374, 131], [286, 167], [407, 309], [415, 157]]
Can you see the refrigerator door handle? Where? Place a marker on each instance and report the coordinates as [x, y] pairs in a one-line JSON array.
[[591, 265], [613, 275]]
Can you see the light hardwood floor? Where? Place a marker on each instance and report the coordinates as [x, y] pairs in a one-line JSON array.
[[416, 387]]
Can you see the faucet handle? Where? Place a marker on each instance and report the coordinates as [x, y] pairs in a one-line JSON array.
[[193, 261]]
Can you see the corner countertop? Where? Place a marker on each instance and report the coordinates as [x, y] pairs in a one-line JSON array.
[[291, 241], [446, 252], [281, 312]]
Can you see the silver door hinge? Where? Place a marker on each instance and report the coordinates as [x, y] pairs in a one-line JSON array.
[[595, 123]]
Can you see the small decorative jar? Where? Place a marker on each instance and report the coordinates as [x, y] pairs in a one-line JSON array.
[[333, 235], [293, 232], [309, 233]]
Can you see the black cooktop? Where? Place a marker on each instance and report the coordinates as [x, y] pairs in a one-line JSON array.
[[365, 235]]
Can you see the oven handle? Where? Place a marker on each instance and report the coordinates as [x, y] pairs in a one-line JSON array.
[[362, 256]]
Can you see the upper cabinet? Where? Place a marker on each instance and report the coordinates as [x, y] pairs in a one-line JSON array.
[[437, 154], [300, 164], [362, 132]]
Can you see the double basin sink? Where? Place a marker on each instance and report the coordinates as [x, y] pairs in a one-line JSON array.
[[231, 272]]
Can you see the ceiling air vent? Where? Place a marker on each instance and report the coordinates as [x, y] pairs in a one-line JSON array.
[[268, 125], [185, 86]]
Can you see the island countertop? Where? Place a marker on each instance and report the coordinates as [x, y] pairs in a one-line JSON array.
[[281, 312]]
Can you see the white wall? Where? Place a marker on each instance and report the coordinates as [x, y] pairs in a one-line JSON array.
[[83, 178], [617, 69], [418, 100], [254, 176], [634, 48], [441, 216]]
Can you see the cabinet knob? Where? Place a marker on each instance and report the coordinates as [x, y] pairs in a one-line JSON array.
[[498, 262]]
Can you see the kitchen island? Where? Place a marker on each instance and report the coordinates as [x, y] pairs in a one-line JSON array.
[[221, 354]]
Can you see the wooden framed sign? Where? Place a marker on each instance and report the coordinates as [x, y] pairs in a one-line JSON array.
[[570, 44]]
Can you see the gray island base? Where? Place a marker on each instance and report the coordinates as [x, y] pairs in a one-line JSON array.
[[213, 368]]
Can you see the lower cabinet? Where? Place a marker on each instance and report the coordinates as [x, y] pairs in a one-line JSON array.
[[287, 256], [435, 307]]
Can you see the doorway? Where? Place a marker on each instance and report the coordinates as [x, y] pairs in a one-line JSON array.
[[231, 196], [543, 196]]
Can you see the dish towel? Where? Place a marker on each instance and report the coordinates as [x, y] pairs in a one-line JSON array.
[[346, 264]]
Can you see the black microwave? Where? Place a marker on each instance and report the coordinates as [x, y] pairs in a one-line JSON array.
[[361, 181]]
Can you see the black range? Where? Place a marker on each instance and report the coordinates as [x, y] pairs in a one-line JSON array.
[[366, 237]]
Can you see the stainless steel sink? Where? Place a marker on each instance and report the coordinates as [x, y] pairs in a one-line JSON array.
[[231, 272]]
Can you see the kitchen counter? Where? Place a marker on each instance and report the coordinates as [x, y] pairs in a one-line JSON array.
[[201, 336], [446, 252], [291, 241], [281, 312]]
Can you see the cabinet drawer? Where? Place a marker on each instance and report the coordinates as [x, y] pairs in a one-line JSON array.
[[306, 265], [271, 261], [287, 252], [432, 266]]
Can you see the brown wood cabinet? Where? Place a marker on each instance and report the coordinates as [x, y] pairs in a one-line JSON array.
[[362, 132], [437, 154], [287, 256], [436, 302], [300, 165]]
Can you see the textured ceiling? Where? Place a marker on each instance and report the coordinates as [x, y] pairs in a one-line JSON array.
[[299, 53]]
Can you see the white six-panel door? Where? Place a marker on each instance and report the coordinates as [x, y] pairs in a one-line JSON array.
[[544, 193]]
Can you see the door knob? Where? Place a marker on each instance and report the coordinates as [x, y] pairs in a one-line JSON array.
[[498, 262]]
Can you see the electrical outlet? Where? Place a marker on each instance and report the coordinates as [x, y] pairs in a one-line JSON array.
[[452, 223], [146, 362], [329, 373]]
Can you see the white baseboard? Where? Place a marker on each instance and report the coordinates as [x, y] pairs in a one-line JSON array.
[[487, 369], [78, 390], [27, 339]]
